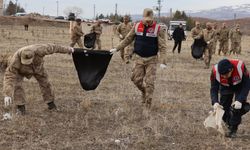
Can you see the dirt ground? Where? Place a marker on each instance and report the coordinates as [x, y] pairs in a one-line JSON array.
[[112, 117]]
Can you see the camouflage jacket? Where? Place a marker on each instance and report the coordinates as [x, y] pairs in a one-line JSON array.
[[15, 68]]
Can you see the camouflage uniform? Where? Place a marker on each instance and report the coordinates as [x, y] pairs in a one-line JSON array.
[[208, 36], [223, 39], [98, 30], [195, 32], [76, 35], [216, 37], [235, 37], [123, 29], [144, 71], [16, 71]]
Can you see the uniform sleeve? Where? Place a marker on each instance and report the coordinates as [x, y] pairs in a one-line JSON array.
[[92, 29], [10, 78], [230, 34], [118, 30], [212, 37], [78, 31], [128, 39], [162, 46], [214, 90], [200, 35], [193, 33], [243, 93], [51, 49]]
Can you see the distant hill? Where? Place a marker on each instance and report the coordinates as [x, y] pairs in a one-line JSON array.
[[220, 13]]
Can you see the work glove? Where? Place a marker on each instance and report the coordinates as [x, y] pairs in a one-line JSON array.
[[217, 105], [7, 116], [7, 101], [163, 66], [121, 37], [113, 50], [72, 50], [208, 42], [237, 105]]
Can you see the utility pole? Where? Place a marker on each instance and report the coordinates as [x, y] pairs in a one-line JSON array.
[[43, 10], [116, 15], [57, 7], [16, 6], [158, 9], [94, 12], [234, 19]]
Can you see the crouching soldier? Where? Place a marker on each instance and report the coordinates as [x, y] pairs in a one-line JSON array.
[[149, 40], [231, 79], [28, 62]]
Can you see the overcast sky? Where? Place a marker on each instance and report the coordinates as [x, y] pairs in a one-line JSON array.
[[124, 6]]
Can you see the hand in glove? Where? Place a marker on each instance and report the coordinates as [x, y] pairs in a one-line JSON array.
[[7, 116], [7, 101], [208, 42], [112, 51], [121, 37], [217, 105], [163, 66], [71, 50], [237, 105]]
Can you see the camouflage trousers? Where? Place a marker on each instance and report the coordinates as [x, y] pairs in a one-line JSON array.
[[78, 41], [98, 42], [45, 87], [235, 48], [144, 76], [126, 53], [223, 47], [214, 46], [208, 54]]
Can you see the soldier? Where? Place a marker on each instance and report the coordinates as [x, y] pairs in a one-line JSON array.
[[76, 34], [223, 39], [122, 31], [230, 78], [208, 35], [149, 39], [196, 30], [216, 36], [28, 62], [97, 28], [235, 37]]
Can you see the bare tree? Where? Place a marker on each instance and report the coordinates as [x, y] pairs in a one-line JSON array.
[[76, 10]]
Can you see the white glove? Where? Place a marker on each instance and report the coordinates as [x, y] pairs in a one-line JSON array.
[[72, 49], [208, 42], [113, 50], [121, 37], [216, 105], [7, 116], [163, 66], [237, 105], [7, 101]]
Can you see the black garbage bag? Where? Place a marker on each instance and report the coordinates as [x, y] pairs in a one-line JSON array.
[[198, 48], [89, 40], [91, 66]]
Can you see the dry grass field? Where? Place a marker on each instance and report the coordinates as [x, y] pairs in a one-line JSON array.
[[96, 120]]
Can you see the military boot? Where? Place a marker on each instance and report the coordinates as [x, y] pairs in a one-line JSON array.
[[231, 133], [51, 106], [21, 109]]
